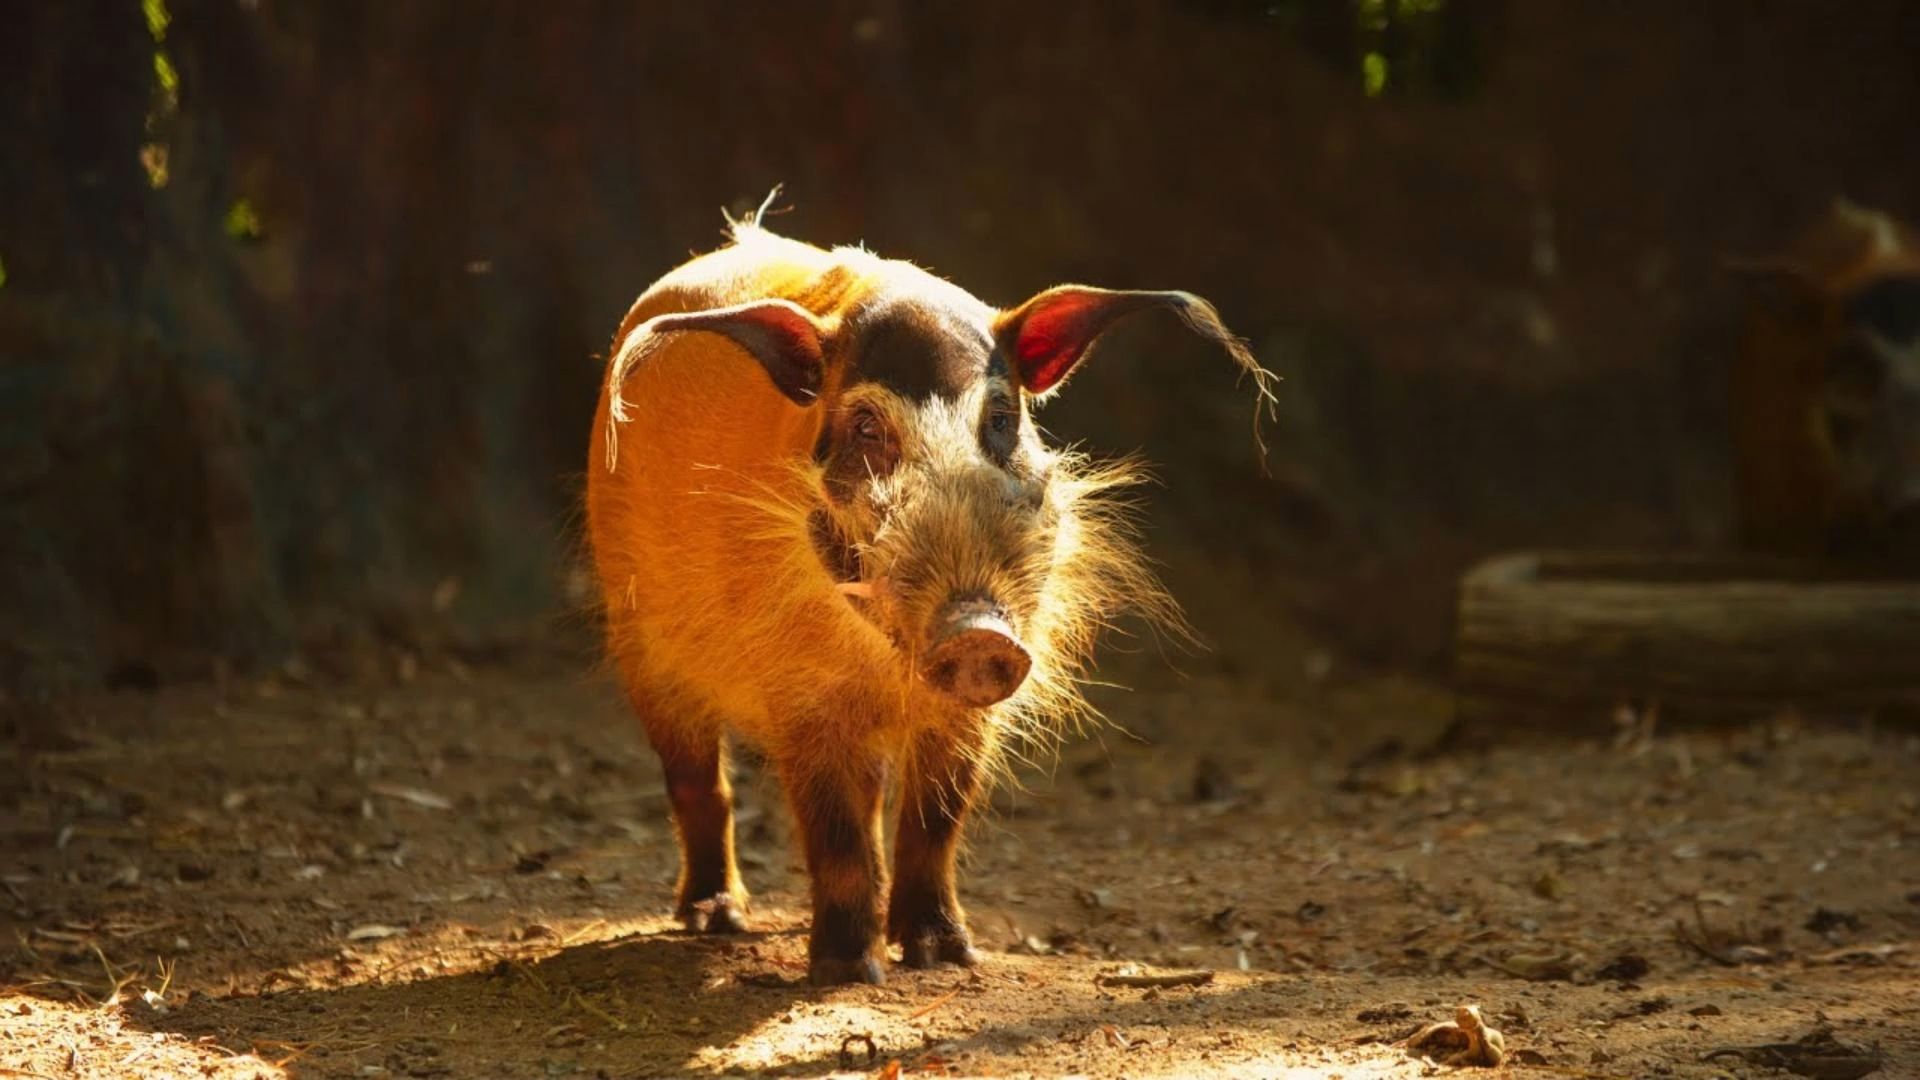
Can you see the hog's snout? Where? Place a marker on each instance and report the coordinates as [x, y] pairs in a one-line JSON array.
[[974, 658]]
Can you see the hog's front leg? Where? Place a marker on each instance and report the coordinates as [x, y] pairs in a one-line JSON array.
[[942, 778], [836, 803]]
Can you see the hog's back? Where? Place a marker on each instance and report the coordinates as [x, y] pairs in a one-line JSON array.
[[716, 606]]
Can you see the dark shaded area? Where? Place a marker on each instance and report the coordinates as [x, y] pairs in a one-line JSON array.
[[326, 390]]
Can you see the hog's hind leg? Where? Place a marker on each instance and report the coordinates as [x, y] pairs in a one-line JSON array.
[[837, 807], [710, 897], [942, 778]]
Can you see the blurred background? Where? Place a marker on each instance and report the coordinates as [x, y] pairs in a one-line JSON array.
[[303, 306]]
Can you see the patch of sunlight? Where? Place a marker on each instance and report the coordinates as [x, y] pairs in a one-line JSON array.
[[158, 18], [153, 158], [804, 1031], [242, 221], [166, 78], [1376, 14], [164, 74], [384, 955], [1013, 1034], [41, 1037], [1379, 1069], [1373, 74]]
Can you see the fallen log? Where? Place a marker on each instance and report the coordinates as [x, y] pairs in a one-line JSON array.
[[1569, 639]]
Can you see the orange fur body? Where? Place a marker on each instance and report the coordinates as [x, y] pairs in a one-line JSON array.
[[721, 505]]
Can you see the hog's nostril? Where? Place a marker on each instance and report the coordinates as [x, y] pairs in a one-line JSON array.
[[975, 659]]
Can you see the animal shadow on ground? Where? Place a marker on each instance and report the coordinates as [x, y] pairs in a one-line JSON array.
[[646, 1005]]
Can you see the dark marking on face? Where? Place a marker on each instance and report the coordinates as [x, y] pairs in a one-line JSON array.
[[919, 350], [858, 445], [998, 366]]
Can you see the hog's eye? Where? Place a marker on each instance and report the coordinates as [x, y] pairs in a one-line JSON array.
[[863, 447], [999, 429], [1001, 417], [866, 427]]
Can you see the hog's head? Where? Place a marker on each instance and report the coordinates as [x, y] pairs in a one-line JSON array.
[[987, 557]]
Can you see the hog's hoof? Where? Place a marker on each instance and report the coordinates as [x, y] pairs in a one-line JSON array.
[[721, 913], [838, 970], [935, 947]]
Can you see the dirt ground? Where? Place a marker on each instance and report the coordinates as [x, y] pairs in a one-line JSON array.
[[468, 873]]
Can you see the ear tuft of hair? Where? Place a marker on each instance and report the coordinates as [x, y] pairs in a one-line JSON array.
[[1203, 319], [1046, 338]]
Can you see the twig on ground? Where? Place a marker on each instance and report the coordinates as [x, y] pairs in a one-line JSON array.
[[934, 1004], [535, 979], [298, 1050], [1702, 941], [846, 1057], [1155, 982], [1863, 954], [1718, 947], [421, 797], [1536, 967], [115, 983], [591, 1009], [1817, 1054], [582, 933]]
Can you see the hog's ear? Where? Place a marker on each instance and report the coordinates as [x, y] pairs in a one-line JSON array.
[[1046, 337], [782, 335]]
